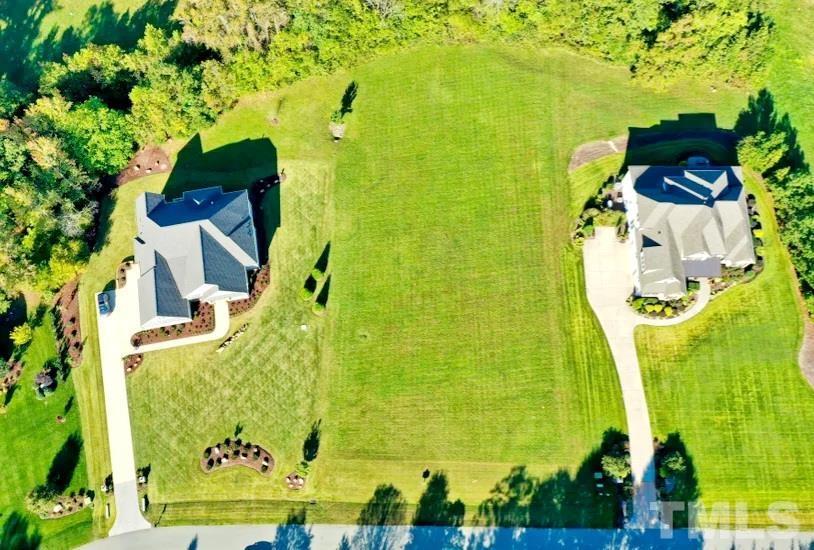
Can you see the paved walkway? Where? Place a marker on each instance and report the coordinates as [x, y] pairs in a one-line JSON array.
[[115, 331], [609, 283], [329, 537]]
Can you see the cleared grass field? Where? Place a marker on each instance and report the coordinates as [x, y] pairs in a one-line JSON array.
[[728, 383], [32, 439], [457, 335]]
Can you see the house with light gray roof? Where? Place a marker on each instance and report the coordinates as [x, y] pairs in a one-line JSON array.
[[685, 222], [201, 246]]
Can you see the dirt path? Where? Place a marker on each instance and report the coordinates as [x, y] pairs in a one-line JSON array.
[[806, 357], [593, 150]]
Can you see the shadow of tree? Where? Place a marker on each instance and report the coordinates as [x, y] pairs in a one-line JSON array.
[[310, 447], [23, 49], [677, 486], [761, 115], [15, 534], [522, 500], [16, 315], [671, 141], [322, 297], [434, 509], [348, 97], [64, 464], [293, 533], [386, 507]]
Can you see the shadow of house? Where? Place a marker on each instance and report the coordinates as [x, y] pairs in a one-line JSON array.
[[761, 115], [17, 535], [385, 508], [64, 464], [671, 142], [250, 164]]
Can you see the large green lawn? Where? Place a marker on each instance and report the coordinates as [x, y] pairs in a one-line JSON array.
[[457, 335], [728, 383], [31, 439]]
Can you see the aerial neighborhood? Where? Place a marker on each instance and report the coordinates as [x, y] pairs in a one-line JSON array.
[[395, 274]]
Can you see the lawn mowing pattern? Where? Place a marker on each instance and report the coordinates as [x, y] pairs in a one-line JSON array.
[[728, 382], [32, 438], [534, 376], [457, 297]]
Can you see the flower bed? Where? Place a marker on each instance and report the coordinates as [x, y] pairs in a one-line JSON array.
[[228, 342], [236, 453], [203, 322], [653, 308], [132, 362], [60, 506], [121, 273], [67, 323], [260, 281]]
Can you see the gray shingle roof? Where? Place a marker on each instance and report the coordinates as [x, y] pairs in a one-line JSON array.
[[198, 246], [686, 222]]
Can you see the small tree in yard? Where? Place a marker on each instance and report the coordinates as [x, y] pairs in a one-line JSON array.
[[22, 334], [672, 464], [44, 383], [617, 467]]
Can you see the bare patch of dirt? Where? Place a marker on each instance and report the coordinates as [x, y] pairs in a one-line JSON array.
[[593, 150], [152, 160], [806, 357]]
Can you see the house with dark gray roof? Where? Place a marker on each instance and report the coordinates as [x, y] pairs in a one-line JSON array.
[[201, 246], [685, 222]]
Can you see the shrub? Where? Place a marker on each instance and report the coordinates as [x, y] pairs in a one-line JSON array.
[[617, 467], [21, 335], [317, 274], [693, 286], [306, 294], [318, 308]]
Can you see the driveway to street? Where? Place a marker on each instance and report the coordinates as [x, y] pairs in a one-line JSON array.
[[115, 330], [608, 283]]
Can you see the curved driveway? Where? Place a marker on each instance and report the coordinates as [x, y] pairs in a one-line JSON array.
[[608, 283]]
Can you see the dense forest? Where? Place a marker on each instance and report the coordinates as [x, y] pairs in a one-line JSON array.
[[89, 111]]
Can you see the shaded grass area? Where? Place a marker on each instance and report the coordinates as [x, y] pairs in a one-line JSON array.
[[35, 449], [33, 32], [729, 383], [457, 337]]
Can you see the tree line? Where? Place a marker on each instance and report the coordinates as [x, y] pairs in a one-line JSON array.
[[95, 107]]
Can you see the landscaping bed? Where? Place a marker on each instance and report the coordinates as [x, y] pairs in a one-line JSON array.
[[203, 322], [606, 209], [653, 308], [11, 377], [132, 362], [61, 506], [237, 453], [147, 161], [259, 282], [67, 323]]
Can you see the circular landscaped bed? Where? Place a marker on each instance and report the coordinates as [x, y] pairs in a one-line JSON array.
[[236, 453]]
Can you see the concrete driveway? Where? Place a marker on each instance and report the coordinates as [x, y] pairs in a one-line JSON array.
[[115, 331], [608, 283]]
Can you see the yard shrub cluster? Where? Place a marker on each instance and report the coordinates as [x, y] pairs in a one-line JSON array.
[[93, 108]]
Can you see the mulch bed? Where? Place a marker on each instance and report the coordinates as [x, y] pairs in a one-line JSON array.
[[67, 322], [67, 505], [11, 377], [148, 161], [236, 453], [132, 362], [295, 481], [593, 150], [259, 283], [203, 322]]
